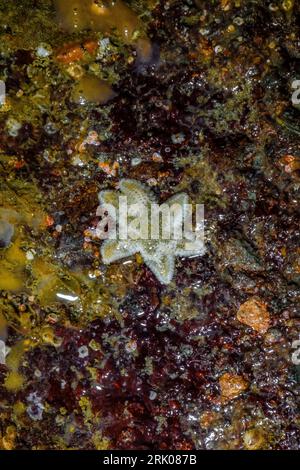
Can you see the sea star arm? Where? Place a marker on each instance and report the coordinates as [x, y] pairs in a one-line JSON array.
[[109, 198], [136, 192], [162, 267], [113, 250], [188, 248]]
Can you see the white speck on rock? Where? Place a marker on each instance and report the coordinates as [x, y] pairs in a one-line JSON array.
[[30, 255], [43, 50], [83, 352], [136, 161]]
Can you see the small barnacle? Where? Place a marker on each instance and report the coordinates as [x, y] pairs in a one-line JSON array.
[[35, 407]]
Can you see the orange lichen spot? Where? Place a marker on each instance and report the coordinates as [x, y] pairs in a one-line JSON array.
[[163, 174], [96, 253], [88, 233], [111, 170], [7, 444], [226, 5], [70, 53], [90, 89], [74, 52], [10, 281], [232, 385], [254, 313]]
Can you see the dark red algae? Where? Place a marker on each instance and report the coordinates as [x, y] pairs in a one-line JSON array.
[[182, 96]]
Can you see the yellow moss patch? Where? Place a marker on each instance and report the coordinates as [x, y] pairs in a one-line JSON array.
[[14, 381], [100, 442], [15, 254], [10, 281]]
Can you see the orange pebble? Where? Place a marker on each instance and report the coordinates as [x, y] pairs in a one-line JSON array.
[[49, 221], [70, 53]]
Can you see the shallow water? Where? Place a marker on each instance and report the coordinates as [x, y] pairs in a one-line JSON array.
[[152, 347]]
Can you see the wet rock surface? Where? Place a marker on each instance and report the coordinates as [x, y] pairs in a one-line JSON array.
[[99, 357]]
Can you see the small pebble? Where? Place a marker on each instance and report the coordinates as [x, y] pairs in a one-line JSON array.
[[83, 352], [152, 395]]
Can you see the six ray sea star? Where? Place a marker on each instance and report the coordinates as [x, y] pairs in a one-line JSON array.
[[158, 254]]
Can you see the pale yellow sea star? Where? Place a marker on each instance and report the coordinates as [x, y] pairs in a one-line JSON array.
[[158, 254]]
